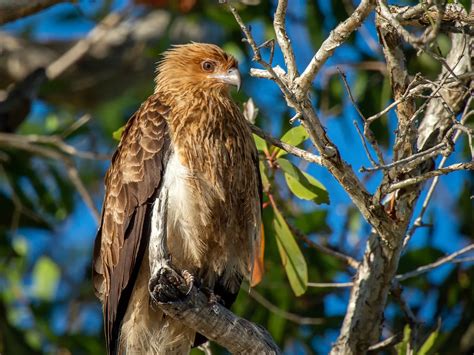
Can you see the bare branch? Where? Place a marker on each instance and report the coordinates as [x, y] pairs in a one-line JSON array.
[[301, 153], [442, 261], [429, 175], [338, 36], [415, 159], [13, 10], [364, 144], [386, 343], [419, 43], [217, 323], [420, 15], [367, 131], [61, 152], [350, 261], [330, 156], [79, 185], [77, 51], [295, 318], [31, 142], [283, 40], [330, 284]]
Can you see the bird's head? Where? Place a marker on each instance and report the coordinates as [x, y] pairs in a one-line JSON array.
[[196, 67]]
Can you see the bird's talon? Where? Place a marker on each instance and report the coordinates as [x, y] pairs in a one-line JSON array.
[[167, 285], [189, 279]]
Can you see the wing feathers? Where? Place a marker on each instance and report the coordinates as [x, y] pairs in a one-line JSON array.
[[132, 181]]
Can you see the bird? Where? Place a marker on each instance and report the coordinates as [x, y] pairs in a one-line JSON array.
[[187, 160]]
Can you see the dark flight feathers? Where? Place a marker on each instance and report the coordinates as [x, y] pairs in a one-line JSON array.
[[131, 183]]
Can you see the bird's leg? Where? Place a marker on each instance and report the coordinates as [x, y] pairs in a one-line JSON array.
[[166, 284]]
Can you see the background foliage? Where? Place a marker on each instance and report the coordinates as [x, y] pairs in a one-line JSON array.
[[47, 230]]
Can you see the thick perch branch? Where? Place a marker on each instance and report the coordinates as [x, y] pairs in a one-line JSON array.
[[219, 324]]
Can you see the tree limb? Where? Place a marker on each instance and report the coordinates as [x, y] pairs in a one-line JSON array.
[[11, 10], [442, 261], [420, 178], [194, 310], [338, 36]]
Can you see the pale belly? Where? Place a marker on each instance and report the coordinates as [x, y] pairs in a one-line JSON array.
[[205, 236]]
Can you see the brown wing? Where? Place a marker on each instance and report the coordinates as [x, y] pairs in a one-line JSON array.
[[131, 184]]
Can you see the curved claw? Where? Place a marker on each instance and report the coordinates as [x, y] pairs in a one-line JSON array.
[[167, 285], [189, 278]]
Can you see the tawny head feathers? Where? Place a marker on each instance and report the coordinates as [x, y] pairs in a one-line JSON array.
[[195, 67]]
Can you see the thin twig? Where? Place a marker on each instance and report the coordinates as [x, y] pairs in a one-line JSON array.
[[33, 141], [386, 343], [350, 261], [301, 153], [397, 293], [428, 267], [79, 185], [283, 40], [364, 144], [338, 36], [429, 175], [84, 119], [257, 56], [330, 284], [295, 318], [423, 155], [30, 144], [414, 41]]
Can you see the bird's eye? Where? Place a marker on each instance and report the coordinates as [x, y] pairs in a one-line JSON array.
[[208, 66]]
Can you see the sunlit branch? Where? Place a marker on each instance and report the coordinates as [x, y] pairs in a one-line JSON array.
[[429, 175]]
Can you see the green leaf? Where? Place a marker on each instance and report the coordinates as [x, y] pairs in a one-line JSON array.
[[46, 275], [260, 143], [117, 134], [429, 343], [402, 347], [20, 246], [302, 184], [291, 256], [294, 136]]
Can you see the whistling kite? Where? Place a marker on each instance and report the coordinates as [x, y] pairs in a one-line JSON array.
[[186, 168]]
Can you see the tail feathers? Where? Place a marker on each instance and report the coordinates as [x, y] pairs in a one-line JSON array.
[[167, 337], [147, 331]]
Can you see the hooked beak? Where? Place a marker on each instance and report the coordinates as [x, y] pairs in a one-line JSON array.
[[232, 77]]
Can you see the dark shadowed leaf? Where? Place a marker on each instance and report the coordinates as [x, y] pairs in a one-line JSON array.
[[291, 255], [402, 347], [260, 143]]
